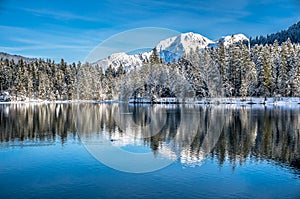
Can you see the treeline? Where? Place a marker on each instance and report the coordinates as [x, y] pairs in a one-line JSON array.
[[292, 33], [39, 79], [233, 71]]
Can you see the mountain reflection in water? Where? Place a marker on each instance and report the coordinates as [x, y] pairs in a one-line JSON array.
[[188, 133]]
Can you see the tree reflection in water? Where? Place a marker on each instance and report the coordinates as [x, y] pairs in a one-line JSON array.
[[187, 132]]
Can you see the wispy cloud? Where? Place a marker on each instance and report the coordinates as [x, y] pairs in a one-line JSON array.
[[60, 15], [56, 34], [73, 45], [222, 7]]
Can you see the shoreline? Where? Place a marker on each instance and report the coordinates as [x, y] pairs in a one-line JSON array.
[[207, 101]]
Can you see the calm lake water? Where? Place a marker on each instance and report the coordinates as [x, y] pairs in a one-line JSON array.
[[160, 151]]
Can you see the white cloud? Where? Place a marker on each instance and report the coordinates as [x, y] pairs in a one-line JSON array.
[[61, 15]]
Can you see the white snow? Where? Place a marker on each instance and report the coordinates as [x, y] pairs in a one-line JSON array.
[[4, 96], [232, 39], [175, 47], [252, 100], [277, 101], [140, 100], [117, 59], [169, 49]]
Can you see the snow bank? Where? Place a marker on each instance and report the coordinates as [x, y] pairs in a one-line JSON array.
[[140, 100], [281, 101], [251, 100], [5, 96], [236, 101]]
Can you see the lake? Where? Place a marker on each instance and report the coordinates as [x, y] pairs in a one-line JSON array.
[[141, 151]]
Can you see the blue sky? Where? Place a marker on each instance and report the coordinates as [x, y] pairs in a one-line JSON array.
[[71, 29]]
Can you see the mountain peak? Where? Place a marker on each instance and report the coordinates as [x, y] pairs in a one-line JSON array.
[[232, 39], [117, 59], [169, 50], [175, 47], [194, 40]]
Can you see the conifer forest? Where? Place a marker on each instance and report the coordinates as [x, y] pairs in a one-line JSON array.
[[267, 69]]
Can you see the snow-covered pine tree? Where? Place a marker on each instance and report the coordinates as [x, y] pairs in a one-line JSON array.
[[263, 68], [248, 73], [234, 68], [291, 66], [109, 79], [154, 57], [20, 79], [209, 72], [275, 68], [283, 72], [295, 79], [222, 61]]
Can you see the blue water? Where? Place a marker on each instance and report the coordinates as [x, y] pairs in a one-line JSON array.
[[61, 167]]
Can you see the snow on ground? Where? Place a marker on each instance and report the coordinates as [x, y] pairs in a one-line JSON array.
[[237, 101], [4, 96], [251, 100], [277, 101]]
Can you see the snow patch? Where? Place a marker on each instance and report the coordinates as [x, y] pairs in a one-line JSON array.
[[233, 39], [5, 96], [281, 101]]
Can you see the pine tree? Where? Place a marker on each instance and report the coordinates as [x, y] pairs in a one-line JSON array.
[[109, 78], [210, 74], [267, 74], [295, 78], [283, 72], [248, 74], [276, 67], [234, 69], [221, 59], [263, 73], [154, 57]]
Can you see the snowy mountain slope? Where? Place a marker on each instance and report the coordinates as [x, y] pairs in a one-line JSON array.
[[117, 59], [169, 50], [229, 40], [175, 47], [184, 43], [16, 58]]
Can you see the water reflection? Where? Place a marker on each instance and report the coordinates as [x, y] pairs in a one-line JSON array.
[[186, 133]]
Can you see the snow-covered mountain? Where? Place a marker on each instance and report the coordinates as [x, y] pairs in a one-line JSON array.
[[117, 59], [175, 47], [232, 39], [16, 58], [169, 50]]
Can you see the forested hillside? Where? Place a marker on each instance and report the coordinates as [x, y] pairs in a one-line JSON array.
[[292, 33], [232, 71]]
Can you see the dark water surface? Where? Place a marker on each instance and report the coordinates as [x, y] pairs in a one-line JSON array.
[[122, 151]]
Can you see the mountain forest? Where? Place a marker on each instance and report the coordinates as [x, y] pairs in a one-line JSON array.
[[266, 69]]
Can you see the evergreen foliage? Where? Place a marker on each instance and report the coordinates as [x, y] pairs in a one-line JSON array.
[[292, 33]]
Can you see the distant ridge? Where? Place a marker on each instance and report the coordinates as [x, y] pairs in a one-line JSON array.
[[169, 50], [293, 32], [16, 58]]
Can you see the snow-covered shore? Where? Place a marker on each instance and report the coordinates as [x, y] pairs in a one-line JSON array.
[[60, 102], [236, 101], [213, 101], [251, 100]]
